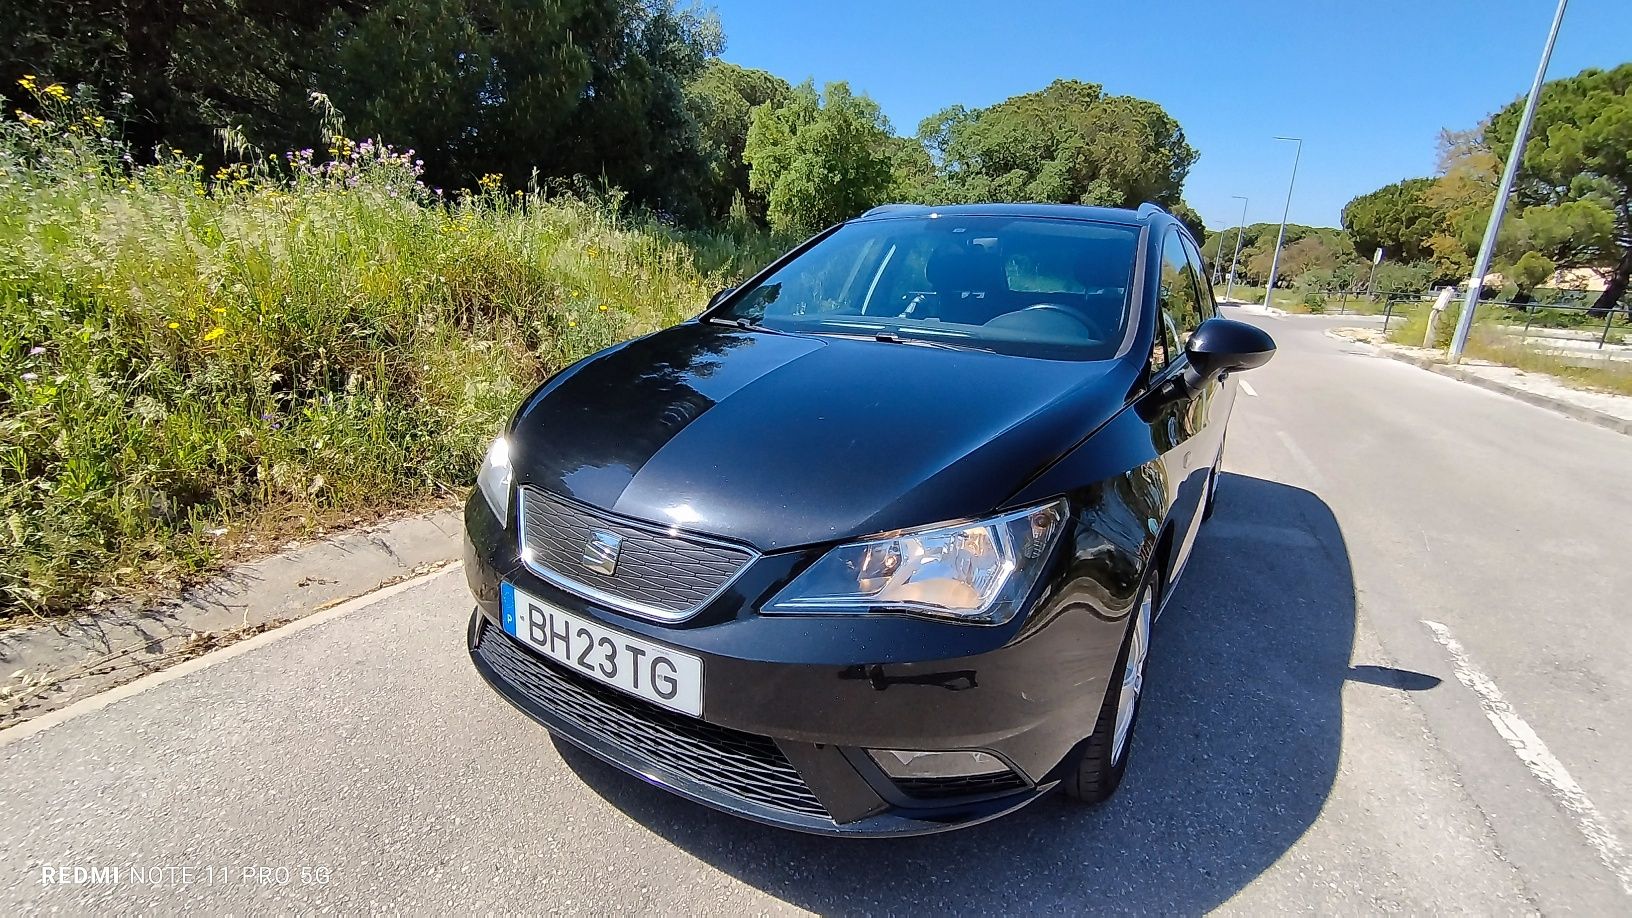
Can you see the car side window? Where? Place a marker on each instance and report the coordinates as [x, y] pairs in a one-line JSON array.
[[1179, 299], [1204, 285]]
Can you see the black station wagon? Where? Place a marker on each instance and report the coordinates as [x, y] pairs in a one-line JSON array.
[[873, 545]]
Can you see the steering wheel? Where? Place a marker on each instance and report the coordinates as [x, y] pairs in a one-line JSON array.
[[1053, 309]]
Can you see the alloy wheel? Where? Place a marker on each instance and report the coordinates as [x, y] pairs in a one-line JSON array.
[[1133, 676]]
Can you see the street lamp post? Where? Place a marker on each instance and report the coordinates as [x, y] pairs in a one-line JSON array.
[[1487, 248], [1275, 260], [1239, 229]]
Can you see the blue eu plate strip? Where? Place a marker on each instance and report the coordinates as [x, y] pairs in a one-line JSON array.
[[507, 600]]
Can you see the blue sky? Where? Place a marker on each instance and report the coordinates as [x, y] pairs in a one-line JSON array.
[[1367, 85]]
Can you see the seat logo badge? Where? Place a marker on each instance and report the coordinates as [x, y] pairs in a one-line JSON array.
[[601, 554]]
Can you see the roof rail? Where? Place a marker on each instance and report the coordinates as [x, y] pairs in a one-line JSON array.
[[893, 208], [1150, 207]]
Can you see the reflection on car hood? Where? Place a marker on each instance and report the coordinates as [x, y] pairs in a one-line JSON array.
[[780, 440]]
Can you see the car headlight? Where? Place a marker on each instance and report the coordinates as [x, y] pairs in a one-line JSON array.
[[977, 572], [495, 478]]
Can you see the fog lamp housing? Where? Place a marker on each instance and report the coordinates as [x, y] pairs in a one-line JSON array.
[[909, 764]]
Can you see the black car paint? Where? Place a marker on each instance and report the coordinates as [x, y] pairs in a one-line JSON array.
[[791, 444], [778, 440]]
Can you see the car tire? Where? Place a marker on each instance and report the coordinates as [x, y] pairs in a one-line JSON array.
[[1104, 759]]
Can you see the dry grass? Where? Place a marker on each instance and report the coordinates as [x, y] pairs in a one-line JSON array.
[[1586, 371]]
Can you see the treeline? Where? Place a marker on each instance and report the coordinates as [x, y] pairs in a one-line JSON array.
[[624, 94], [1315, 256], [1572, 203]]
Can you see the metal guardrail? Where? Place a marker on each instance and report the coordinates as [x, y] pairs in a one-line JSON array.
[[1531, 309]]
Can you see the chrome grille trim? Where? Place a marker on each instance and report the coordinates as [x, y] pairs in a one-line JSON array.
[[667, 575]]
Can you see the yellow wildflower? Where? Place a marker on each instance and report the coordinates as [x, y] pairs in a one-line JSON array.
[[603, 309], [221, 309], [174, 325], [56, 91], [27, 82], [214, 333], [572, 324]]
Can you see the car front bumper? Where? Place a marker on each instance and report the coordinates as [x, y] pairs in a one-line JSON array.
[[792, 705]]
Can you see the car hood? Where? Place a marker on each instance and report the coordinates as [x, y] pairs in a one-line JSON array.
[[781, 440]]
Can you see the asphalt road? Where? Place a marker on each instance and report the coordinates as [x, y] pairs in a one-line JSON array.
[[1309, 745]]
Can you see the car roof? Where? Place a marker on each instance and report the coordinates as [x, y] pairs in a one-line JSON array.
[[1051, 211]]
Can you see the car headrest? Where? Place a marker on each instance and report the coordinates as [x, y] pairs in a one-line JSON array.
[[1096, 270], [965, 269]]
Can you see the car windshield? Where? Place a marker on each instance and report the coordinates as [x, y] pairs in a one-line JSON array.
[[1016, 285]]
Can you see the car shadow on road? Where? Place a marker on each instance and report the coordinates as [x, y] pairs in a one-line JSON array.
[[1236, 752]]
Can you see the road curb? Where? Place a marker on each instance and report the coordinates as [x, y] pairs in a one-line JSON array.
[[1559, 406], [56, 663]]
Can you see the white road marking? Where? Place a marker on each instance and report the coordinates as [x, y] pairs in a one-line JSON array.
[[101, 700], [1247, 388], [1302, 458], [1536, 757]]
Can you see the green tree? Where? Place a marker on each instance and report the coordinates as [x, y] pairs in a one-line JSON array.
[[1325, 248], [593, 89], [1069, 143], [1192, 221], [1314, 252], [1396, 218], [819, 158], [722, 99], [188, 69], [1461, 195], [1403, 277], [1531, 271], [1579, 156], [914, 178]]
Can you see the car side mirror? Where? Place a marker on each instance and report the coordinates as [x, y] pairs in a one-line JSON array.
[[716, 298], [1222, 346]]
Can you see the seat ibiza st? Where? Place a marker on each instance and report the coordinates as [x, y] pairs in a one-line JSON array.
[[873, 545]]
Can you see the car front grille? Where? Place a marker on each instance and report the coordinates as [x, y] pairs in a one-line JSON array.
[[960, 786], [660, 572], [743, 765]]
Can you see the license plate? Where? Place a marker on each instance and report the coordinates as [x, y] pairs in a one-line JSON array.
[[662, 675]]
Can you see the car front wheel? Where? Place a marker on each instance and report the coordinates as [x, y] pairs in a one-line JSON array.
[[1105, 758]]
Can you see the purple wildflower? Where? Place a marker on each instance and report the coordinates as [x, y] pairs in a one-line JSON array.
[[30, 377], [36, 351]]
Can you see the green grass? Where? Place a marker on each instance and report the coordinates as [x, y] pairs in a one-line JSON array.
[[1409, 325], [270, 347], [1586, 371]]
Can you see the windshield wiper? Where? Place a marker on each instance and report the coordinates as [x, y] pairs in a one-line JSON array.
[[889, 336], [746, 325]]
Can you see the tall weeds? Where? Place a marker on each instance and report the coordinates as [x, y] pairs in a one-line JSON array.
[[191, 358]]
